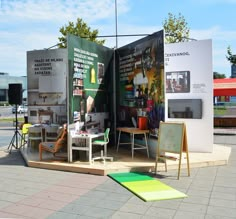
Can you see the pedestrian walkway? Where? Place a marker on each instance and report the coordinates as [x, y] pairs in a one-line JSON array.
[[38, 193]]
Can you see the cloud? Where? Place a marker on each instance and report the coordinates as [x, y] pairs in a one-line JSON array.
[[61, 10], [215, 32], [15, 45], [125, 29], [221, 39], [34, 24]]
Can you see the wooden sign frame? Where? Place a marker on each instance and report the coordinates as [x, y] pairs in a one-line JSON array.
[[172, 138]]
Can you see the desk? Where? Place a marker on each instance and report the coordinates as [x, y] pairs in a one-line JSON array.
[[88, 148], [133, 132]]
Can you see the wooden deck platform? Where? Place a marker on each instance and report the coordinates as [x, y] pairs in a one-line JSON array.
[[123, 161]]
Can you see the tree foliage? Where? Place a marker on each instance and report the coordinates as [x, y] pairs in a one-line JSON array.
[[176, 29], [81, 29], [217, 75], [231, 58]]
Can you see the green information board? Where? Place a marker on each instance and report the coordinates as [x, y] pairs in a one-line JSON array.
[[172, 138]]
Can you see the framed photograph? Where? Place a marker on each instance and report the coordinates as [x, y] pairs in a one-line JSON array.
[[178, 82]]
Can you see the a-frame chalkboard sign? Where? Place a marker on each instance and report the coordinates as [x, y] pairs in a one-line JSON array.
[[172, 138]]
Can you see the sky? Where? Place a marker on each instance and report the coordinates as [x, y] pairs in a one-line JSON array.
[[27, 25]]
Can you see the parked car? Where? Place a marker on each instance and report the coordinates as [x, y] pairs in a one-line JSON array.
[[20, 109]]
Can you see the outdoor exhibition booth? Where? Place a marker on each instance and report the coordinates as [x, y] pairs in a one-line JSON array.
[[91, 88]]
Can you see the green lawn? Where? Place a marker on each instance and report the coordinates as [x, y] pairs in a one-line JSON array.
[[11, 119], [220, 111]]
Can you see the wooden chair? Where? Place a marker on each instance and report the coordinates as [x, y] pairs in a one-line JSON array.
[[54, 147]]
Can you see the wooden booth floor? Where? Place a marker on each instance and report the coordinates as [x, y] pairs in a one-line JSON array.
[[123, 162]]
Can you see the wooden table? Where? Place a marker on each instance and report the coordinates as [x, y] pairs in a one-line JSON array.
[[133, 132]]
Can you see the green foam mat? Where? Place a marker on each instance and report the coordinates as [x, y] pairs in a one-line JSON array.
[[146, 187], [129, 177]]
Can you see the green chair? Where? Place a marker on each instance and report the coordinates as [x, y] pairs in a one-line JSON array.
[[103, 143]]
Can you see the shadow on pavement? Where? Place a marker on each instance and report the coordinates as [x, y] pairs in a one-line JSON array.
[[13, 158]]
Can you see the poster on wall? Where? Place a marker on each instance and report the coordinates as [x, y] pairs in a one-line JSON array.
[[89, 78], [46, 78], [140, 86]]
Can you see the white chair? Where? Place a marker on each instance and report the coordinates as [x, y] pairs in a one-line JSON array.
[[51, 133], [35, 134], [103, 143]]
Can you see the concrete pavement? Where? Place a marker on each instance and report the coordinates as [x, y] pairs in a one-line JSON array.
[[38, 193]]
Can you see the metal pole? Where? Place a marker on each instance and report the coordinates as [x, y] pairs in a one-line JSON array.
[[16, 128], [116, 23], [114, 75]]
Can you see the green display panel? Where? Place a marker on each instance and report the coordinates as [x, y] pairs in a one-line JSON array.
[[90, 76]]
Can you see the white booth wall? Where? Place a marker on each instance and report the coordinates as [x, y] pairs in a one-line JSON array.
[[194, 58]]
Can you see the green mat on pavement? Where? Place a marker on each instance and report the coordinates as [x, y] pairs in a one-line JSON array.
[[146, 187]]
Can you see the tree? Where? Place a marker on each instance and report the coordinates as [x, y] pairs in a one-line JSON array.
[[231, 58], [217, 75], [176, 29], [81, 29]]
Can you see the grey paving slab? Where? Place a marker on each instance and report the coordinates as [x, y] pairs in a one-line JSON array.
[[193, 207], [217, 217], [99, 212], [195, 191], [222, 202], [226, 182], [89, 201], [134, 208], [196, 199], [126, 215], [4, 203], [96, 194], [160, 212], [76, 209], [119, 197], [203, 184], [63, 215], [187, 215], [8, 215], [168, 204], [11, 197], [137, 201], [224, 190], [221, 211]]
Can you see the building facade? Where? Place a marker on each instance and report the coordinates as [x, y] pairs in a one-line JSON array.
[[5, 80]]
